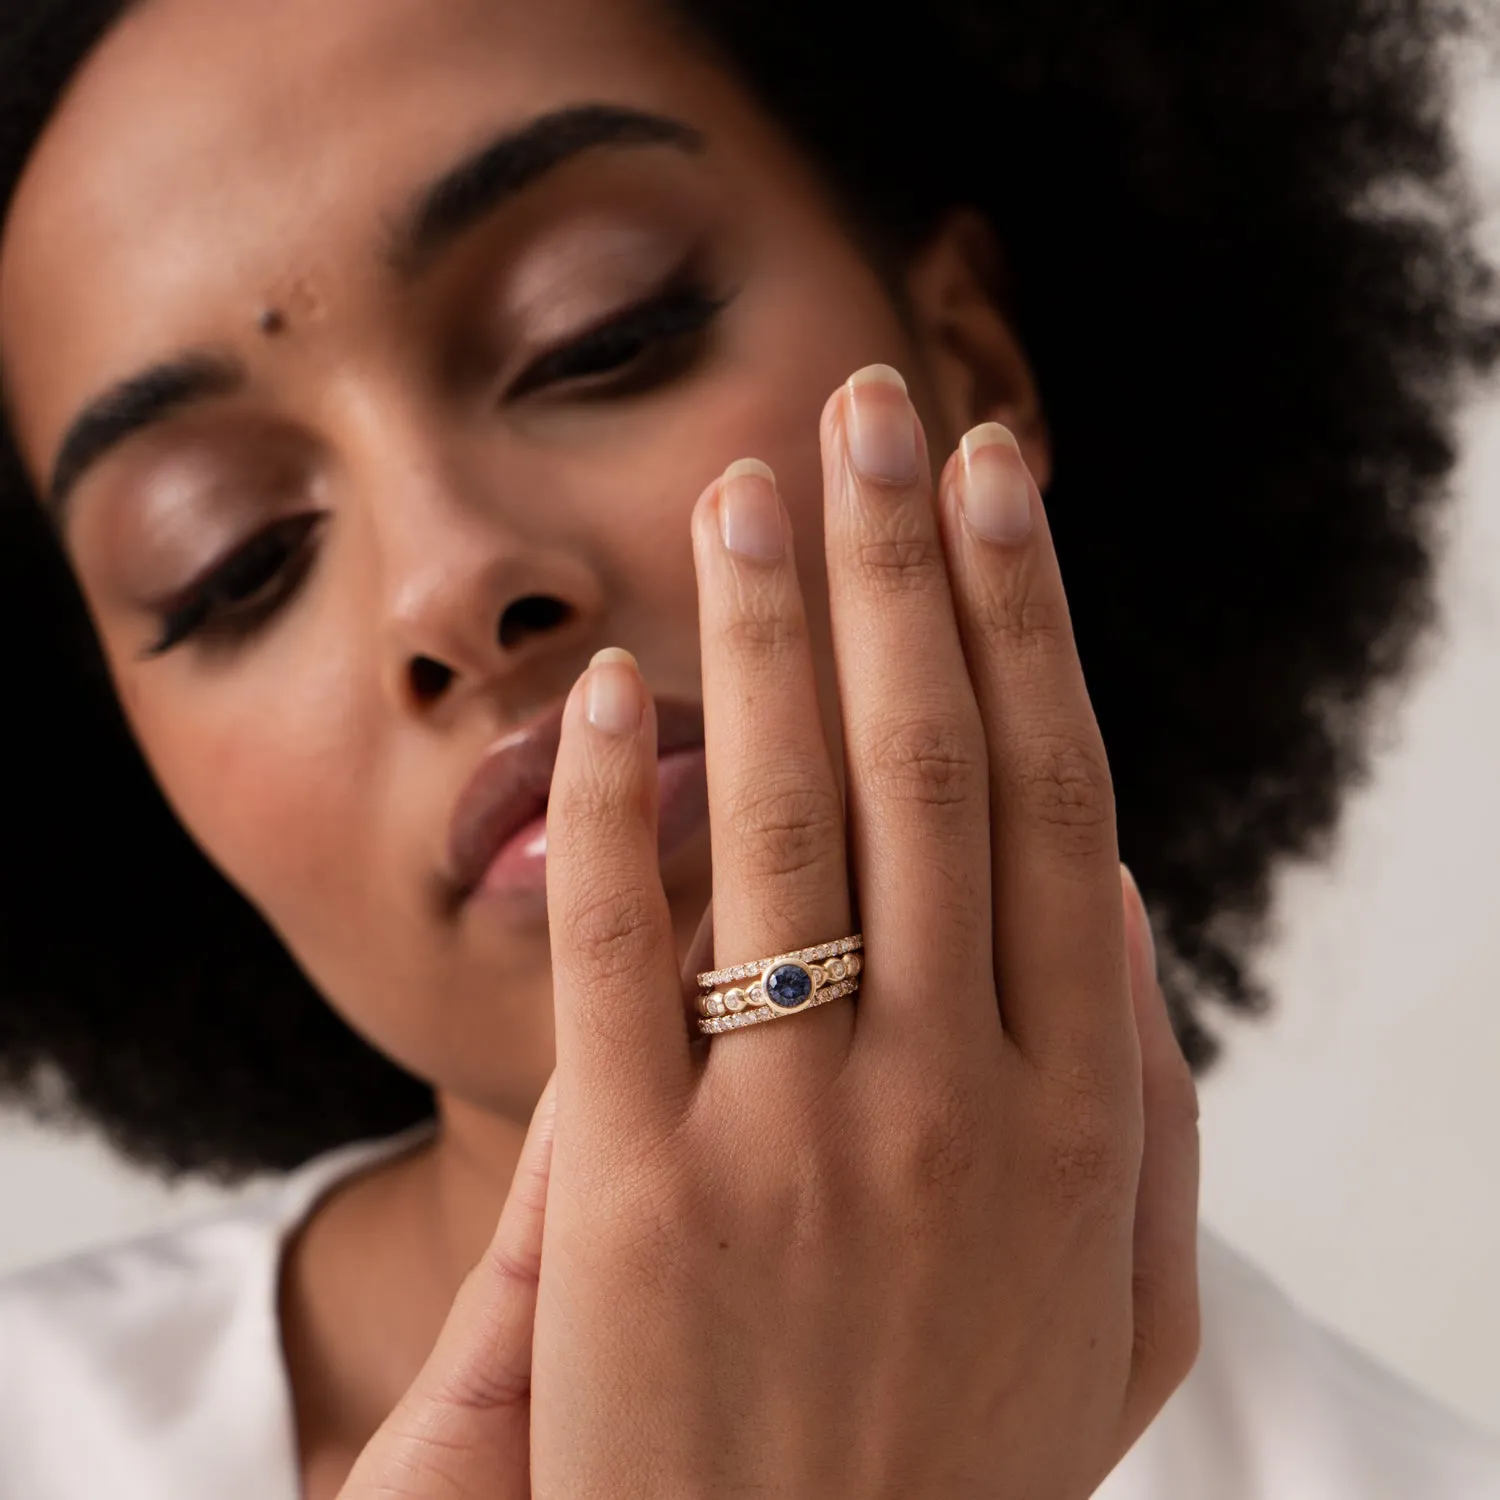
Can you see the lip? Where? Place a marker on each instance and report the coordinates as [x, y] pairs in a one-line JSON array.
[[508, 790]]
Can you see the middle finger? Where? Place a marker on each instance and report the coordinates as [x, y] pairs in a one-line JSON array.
[[914, 741]]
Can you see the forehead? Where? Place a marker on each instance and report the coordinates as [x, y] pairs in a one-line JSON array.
[[211, 153]]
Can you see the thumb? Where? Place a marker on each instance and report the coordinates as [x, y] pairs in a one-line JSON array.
[[1166, 1213], [462, 1432]]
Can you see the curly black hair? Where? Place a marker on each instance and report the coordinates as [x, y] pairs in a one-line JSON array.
[[1239, 251]]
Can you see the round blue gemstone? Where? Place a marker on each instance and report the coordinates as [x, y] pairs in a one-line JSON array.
[[789, 986]]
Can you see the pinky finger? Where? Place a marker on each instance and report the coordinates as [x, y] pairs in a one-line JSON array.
[[1167, 1324]]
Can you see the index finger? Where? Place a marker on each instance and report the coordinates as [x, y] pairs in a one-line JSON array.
[[622, 1040], [1059, 929]]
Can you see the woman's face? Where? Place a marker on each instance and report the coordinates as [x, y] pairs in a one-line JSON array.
[[377, 389]]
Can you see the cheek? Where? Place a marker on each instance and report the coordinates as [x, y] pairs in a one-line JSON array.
[[825, 318], [268, 769], [798, 336], [818, 322]]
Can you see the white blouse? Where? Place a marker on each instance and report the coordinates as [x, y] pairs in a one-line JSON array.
[[153, 1371]]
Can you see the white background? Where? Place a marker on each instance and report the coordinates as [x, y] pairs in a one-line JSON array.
[[1351, 1143]]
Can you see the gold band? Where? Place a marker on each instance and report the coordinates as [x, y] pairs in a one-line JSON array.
[[715, 1025], [783, 986], [717, 977]]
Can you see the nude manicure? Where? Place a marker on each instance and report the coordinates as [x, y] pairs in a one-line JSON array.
[[881, 427], [995, 488], [750, 518], [613, 699]]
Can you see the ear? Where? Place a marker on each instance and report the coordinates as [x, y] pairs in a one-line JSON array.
[[955, 290]]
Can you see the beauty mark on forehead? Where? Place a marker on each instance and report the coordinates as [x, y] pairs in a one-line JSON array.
[[437, 215]]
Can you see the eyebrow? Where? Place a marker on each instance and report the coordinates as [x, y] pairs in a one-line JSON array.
[[439, 214], [512, 162], [127, 408]]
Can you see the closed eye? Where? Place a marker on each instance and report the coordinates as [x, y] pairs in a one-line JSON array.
[[243, 591], [631, 350]]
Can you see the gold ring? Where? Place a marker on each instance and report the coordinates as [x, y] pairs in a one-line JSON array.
[[715, 1025], [786, 985]]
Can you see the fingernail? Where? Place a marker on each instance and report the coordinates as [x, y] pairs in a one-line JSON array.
[[1145, 920], [881, 426], [614, 700], [750, 518], [996, 489]]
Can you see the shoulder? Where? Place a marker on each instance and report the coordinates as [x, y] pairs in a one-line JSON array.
[[152, 1370], [114, 1365], [1280, 1405]]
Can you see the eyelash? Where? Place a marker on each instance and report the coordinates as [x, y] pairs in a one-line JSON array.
[[246, 589], [641, 346], [658, 328]]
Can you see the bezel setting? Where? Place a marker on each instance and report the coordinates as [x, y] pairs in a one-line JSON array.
[[777, 966], [737, 997]]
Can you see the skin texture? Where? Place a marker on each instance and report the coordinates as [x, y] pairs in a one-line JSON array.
[[176, 197]]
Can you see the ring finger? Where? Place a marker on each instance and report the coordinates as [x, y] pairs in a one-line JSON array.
[[780, 871]]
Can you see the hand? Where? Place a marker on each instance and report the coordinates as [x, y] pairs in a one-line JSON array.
[[462, 1432], [940, 1242]]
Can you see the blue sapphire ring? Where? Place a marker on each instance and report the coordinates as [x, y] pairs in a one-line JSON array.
[[773, 988]]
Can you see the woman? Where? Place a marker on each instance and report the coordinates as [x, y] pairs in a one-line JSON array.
[[385, 367]]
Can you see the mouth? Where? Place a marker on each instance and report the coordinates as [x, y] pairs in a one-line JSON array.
[[497, 846]]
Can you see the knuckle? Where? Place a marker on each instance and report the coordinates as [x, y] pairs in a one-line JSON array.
[[760, 627], [510, 1270], [1066, 786], [487, 1377], [784, 828], [928, 761], [1083, 1165], [610, 924], [905, 555], [1088, 1155], [426, 1445], [943, 1150], [588, 807], [1025, 625]]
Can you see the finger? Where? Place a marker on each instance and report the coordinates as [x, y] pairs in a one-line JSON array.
[[1059, 940], [700, 957], [463, 1430], [780, 873], [622, 1048], [913, 740], [700, 953], [1166, 1217]]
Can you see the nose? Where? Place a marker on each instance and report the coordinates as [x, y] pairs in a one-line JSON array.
[[475, 594], [475, 621]]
